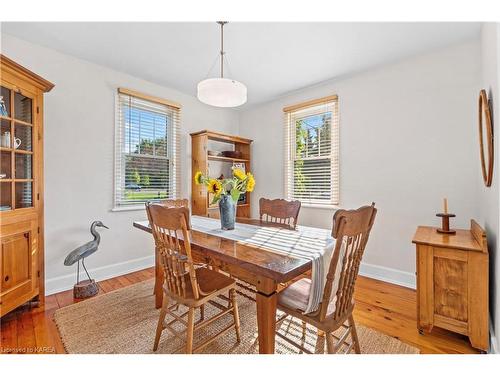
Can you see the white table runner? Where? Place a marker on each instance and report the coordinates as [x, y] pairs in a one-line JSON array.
[[306, 243]]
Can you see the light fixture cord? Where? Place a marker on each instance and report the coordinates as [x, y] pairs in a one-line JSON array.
[[222, 23]]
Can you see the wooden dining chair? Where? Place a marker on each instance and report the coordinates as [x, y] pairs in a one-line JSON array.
[[279, 211], [351, 229], [183, 283], [175, 203], [171, 203]]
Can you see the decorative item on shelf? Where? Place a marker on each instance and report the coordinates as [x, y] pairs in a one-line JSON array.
[[239, 166], [242, 199], [17, 143], [3, 109], [486, 122], [86, 288], [214, 153], [445, 219], [5, 140], [232, 154], [226, 192]]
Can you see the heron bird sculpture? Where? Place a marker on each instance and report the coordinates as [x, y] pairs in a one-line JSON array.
[[88, 287]]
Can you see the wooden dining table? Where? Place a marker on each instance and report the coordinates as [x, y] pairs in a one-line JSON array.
[[263, 269]]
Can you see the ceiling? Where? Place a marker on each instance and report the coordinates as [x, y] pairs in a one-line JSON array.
[[272, 59]]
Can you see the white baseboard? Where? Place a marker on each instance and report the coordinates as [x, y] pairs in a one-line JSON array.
[[389, 275], [493, 341], [66, 282]]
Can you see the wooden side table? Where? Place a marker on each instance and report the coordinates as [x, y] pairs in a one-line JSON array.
[[452, 282]]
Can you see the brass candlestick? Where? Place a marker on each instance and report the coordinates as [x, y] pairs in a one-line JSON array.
[[445, 223]]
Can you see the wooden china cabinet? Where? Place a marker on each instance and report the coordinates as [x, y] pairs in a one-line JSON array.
[[21, 185]]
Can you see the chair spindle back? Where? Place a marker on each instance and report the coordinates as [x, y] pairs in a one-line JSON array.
[[176, 203], [279, 211], [172, 240], [351, 229]]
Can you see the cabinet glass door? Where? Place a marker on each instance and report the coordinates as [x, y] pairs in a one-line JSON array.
[[16, 148], [4, 102], [22, 107]]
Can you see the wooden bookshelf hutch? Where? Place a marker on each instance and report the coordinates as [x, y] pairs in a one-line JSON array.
[[201, 142], [21, 185]]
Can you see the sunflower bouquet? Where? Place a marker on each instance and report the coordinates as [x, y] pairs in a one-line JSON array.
[[240, 183]]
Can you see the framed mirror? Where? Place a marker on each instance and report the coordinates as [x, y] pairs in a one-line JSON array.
[[485, 138]]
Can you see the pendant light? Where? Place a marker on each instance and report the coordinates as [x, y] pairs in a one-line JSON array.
[[222, 92]]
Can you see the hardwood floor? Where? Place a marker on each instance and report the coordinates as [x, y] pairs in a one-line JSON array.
[[385, 307]]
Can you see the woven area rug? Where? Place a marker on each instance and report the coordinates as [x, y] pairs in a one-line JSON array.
[[124, 321]]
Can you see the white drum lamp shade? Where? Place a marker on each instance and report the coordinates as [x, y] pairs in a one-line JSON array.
[[222, 92]]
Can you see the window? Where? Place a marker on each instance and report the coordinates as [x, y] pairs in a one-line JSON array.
[[147, 149], [311, 152]]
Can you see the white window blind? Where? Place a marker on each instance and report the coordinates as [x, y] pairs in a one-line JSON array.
[[312, 152], [147, 149]]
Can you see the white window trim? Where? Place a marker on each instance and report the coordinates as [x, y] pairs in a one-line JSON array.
[[321, 206], [128, 208], [309, 108], [173, 132]]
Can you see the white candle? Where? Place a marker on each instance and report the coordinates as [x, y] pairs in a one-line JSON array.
[[445, 205]]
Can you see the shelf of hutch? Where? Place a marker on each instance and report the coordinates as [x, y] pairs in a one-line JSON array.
[[226, 159], [200, 162], [17, 121], [21, 183]]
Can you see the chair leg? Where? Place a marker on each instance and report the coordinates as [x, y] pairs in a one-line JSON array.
[[354, 335], [161, 320], [236, 314], [202, 312], [329, 342], [190, 330], [304, 328]]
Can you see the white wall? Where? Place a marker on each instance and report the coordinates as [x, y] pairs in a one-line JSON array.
[[489, 197], [407, 138], [79, 159]]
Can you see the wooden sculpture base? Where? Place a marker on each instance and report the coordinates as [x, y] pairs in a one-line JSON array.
[[451, 231], [85, 289], [445, 224]]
